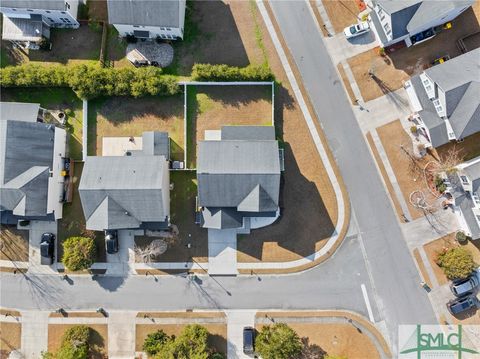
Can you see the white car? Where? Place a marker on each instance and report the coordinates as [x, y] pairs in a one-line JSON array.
[[356, 29]]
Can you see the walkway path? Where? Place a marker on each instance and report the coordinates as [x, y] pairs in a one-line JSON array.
[[121, 334], [34, 333]]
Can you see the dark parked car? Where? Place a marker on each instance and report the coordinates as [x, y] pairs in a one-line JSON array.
[[248, 340], [464, 286], [47, 248], [111, 241], [460, 305]]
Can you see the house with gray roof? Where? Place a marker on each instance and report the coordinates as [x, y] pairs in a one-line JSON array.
[[238, 173], [32, 164], [465, 190], [445, 99], [130, 191], [148, 19], [29, 21], [400, 21]]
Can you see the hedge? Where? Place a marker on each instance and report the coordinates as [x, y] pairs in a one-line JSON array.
[[78, 253], [92, 81], [207, 72]]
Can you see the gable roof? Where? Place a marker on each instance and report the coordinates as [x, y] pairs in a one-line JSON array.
[[26, 158], [34, 4], [123, 191], [19, 111], [240, 175], [145, 12]]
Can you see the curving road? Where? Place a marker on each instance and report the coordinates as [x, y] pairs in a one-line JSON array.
[[377, 254]]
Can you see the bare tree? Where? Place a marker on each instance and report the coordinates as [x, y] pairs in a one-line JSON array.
[[148, 253], [449, 161]]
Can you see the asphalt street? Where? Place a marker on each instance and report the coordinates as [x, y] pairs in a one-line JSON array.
[[400, 298]]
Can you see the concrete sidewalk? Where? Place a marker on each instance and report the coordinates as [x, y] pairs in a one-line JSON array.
[[121, 334], [34, 333]]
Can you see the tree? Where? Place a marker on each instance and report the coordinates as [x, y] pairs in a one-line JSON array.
[[148, 253], [74, 344], [457, 263], [278, 341], [78, 253], [154, 342]]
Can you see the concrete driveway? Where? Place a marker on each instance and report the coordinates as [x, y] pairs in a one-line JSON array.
[[36, 229], [222, 251]]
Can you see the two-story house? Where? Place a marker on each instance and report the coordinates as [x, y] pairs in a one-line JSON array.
[[28, 21], [148, 19], [32, 165], [445, 99], [399, 23]]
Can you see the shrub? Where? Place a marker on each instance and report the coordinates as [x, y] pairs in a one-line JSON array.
[[92, 81], [207, 72], [78, 253], [154, 342], [278, 342], [413, 129], [461, 237], [74, 343], [457, 263], [381, 51]]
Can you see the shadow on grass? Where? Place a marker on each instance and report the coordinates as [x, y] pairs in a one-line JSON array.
[[218, 343], [96, 345]]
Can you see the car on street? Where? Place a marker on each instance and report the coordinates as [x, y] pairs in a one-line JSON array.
[[248, 340], [47, 248], [464, 286], [356, 29], [460, 305], [111, 241]]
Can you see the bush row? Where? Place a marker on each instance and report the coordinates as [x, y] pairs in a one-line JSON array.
[[92, 81], [207, 72]]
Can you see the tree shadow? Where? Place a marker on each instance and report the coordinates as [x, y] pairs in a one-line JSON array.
[[311, 351], [218, 343], [96, 345]]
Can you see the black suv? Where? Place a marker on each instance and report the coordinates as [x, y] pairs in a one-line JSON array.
[[460, 305], [248, 340], [47, 248]]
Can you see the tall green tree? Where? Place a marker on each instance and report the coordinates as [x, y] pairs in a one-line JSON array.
[[278, 341], [78, 253]]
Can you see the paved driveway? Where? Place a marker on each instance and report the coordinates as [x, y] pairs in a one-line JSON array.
[[222, 251], [37, 228]]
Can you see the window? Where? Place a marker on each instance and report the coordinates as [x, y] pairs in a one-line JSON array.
[[48, 11], [168, 29], [136, 26], [67, 5], [428, 88], [63, 12], [50, 19], [162, 28], [387, 28], [476, 199], [29, 10], [14, 9], [464, 179]]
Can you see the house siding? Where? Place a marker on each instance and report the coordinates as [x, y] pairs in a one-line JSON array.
[[154, 31]]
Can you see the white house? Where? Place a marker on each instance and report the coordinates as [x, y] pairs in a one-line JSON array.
[[148, 19], [408, 22], [445, 99], [30, 20]]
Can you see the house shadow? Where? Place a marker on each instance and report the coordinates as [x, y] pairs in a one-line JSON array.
[[204, 43], [364, 39], [109, 283], [303, 222]]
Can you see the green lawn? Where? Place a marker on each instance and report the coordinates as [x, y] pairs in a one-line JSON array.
[[54, 99]]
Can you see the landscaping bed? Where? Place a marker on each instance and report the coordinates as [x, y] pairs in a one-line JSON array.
[[98, 339], [125, 117], [409, 178], [14, 244], [400, 65], [469, 147], [73, 222], [211, 107], [10, 338], [341, 13], [62, 99]]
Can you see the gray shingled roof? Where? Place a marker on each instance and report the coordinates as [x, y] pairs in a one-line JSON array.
[[26, 157], [237, 175], [145, 12], [156, 143], [19, 111], [410, 15], [123, 191], [34, 4]]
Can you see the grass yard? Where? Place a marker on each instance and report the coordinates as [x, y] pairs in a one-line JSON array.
[[73, 221], [341, 13], [97, 10], [125, 117], [14, 244], [58, 98], [10, 338], [218, 331], [392, 136], [182, 210], [98, 339], [400, 65], [116, 49], [211, 107]]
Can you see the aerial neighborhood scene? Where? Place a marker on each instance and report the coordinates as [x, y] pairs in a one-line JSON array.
[[208, 179]]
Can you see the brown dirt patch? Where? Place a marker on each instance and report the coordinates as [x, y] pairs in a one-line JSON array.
[[182, 315], [77, 315], [341, 13], [98, 339], [15, 313], [211, 107], [393, 136], [316, 13], [10, 338], [217, 338], [14, 244], [433, 248], [470, 147], [12, 270], [97, 10], [346, 83], [125, 117], [421, 266], [400, 65], [391, 191]]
